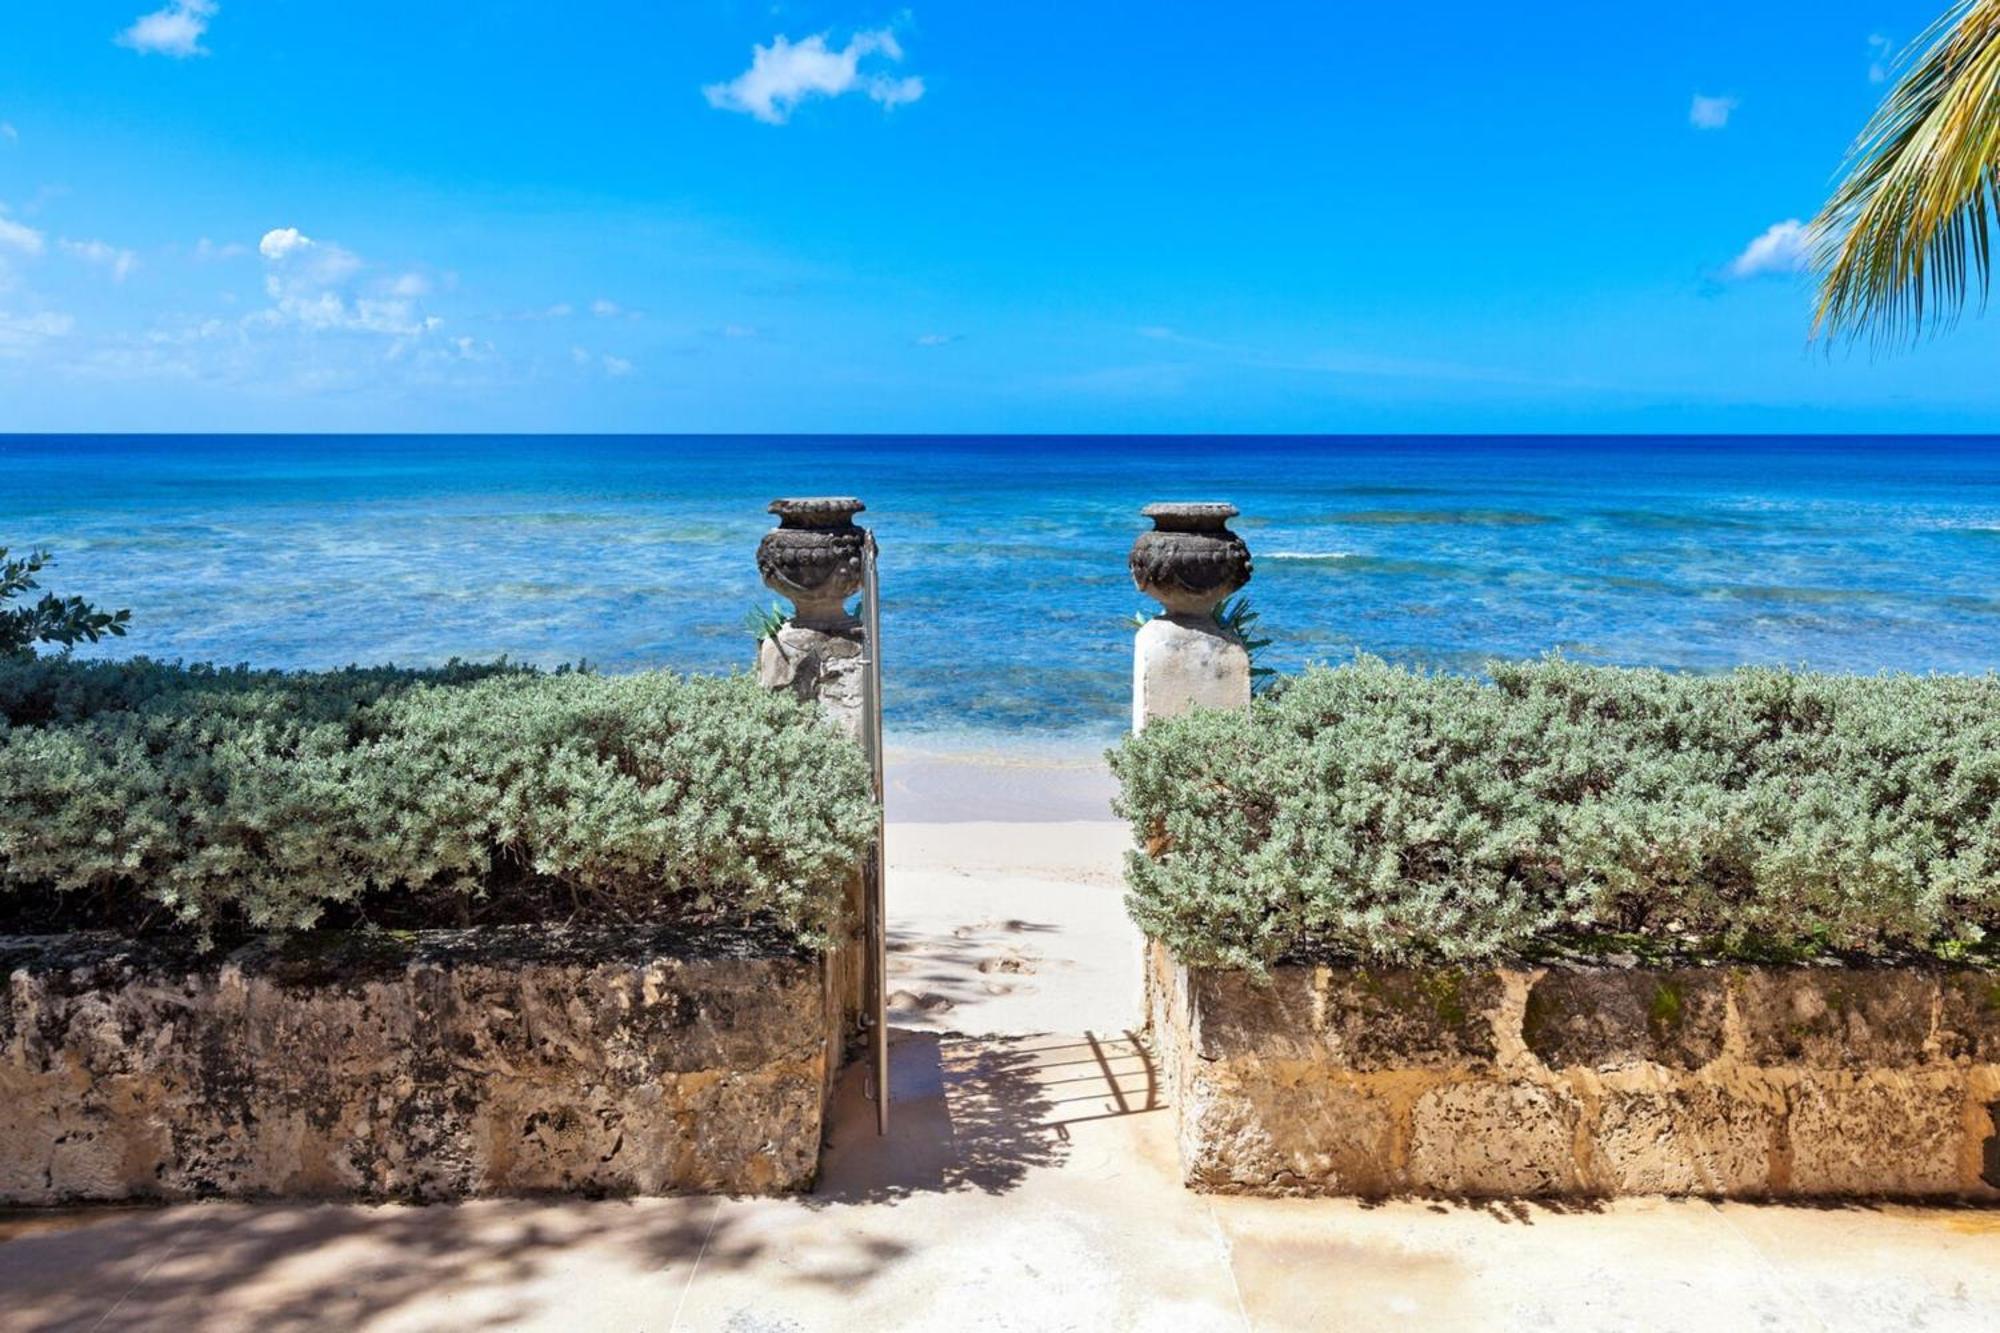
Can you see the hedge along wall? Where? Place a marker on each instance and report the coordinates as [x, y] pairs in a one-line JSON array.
[[1577, 932], [139, 794], [668, 1018], [1368, 812]]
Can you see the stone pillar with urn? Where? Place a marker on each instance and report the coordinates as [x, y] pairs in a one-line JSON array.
[[820, 655], [1183, 658], [813, 558]]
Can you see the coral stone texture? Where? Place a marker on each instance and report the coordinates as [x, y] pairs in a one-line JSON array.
[[439, 1065], [826, 667], [1583, 1080]]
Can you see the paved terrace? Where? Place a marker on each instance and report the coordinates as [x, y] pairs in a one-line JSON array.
[[1028, 1182]]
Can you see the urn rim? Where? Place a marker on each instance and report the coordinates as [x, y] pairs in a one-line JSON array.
[[816, 509], [1211, 510]]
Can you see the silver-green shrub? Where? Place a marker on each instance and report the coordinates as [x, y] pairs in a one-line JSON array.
[[230, 798], [1375, 812]]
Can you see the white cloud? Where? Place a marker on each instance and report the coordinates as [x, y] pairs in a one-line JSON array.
[[306, 281], [282, 241], [21, 334], [1881, 51], [206, 250], [18, 236], [1710, 113], [120, 262], [174, 31], [612, 366], [786, 73], [739, 331], [8, 132], [936, 339], [1784, 247], [410, 284], [560, 310], [604, 309]]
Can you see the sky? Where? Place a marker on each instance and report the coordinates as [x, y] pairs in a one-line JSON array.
[[276, 215]]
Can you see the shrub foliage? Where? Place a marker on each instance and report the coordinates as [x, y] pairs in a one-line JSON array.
[[65, 621], [213, 798], [1376, 812]]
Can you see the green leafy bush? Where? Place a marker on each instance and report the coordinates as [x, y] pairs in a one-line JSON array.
[[66, 621], [1376, 812], [137, 792]]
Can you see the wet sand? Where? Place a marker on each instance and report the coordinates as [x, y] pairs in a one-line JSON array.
[[1001, 781]]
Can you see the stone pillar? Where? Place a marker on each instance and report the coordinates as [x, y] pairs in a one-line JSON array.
[[813, 558], [1183, 659]]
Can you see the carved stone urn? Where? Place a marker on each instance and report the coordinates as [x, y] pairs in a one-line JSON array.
[[1190, 560], [813, 558]]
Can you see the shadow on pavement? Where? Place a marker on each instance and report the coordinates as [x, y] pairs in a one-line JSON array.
[[977, 1114]]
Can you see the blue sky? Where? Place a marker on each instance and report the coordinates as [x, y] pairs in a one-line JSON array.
[[711, 216]]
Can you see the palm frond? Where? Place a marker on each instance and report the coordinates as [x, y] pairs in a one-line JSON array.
[[1910, 225]]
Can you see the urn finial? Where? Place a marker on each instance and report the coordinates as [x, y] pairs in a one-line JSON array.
[[1190, 560], [813, 557]]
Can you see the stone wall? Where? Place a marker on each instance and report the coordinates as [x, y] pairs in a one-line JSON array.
[[1741, 1082], [438, 1065]]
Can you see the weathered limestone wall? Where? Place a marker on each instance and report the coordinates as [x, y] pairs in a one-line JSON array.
[[435, 1066], [1744, 1082]]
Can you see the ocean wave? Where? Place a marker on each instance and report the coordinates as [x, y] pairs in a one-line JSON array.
[[1657, 520], [1353, 562], [1440, 517]]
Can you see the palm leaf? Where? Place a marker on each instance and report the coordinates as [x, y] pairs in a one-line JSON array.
[[1909, 227]]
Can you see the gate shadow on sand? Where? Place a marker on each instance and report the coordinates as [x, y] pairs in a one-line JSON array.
[[977, 1113]]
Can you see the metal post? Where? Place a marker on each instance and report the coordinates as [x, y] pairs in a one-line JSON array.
[[876, 913]]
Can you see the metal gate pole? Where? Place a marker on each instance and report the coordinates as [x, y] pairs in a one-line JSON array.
[[876, 914]]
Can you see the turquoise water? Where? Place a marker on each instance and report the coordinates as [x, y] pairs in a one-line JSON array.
[[1004, 587]]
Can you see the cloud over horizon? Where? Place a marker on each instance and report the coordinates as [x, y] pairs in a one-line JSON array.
[[19, 236], [1710, 113], [282, 241], [1783, 247], [786, 73], [308, 280], [174, 31], [1881, 55], [119, 262]]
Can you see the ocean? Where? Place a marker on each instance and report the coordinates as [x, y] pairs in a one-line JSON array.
[[1006, 602]]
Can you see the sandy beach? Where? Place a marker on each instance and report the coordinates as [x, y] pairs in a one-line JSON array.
[[997, 778], [1005, 904]]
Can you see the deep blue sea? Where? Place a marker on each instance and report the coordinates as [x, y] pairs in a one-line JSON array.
[[1005, 594]]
